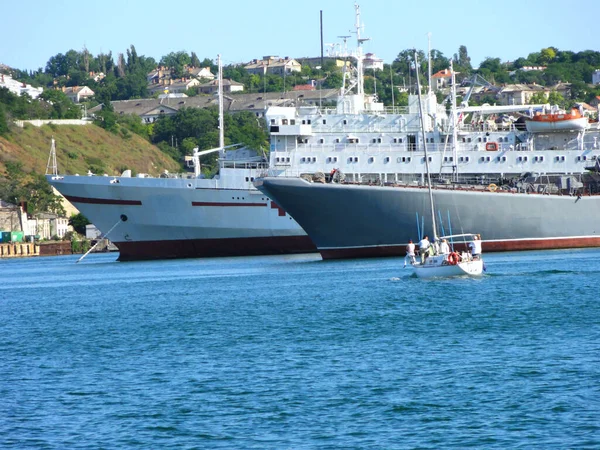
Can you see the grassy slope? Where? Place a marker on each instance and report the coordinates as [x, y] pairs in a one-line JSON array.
[[75, 144]]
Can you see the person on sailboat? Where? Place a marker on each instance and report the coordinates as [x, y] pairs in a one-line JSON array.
[[424, 248], [410, 252], [475, 246], [444, 247]]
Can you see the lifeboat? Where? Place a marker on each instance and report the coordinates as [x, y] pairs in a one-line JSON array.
[[560, 121]]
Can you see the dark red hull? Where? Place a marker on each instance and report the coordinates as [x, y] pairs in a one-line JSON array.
[[202, 248]]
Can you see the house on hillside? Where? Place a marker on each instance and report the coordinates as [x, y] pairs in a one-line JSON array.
[[19, 88], [316, 61], [372, 62], [151, 109], [212, 87], [441, 79], [521, 94], [78, 93], [596, 77], [201, 72], [171, 86], [273, 65]]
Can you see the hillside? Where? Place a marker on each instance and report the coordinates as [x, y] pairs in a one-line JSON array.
[[81, 148]]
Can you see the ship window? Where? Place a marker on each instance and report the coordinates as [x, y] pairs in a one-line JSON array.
[[287, 159], [482, 159], [371, 159], [525, 158], [488, 158], [302, 159], [398, 159], [345, 122], [328, 160], [284, 121], [292, 122], [478, 139], [467, 158], [408, 159], [386, 159], [350, 160], [337, 141], [445, 159], [314, 159], [469, 140], [400, 140], [484, 139], [272, 121], [557, 158], [464, 140], [356, 159], [504, 158], [247, 179], [308, 121], [562, 158], [321, 141], [303, 122], [324, 122], [335, 159]]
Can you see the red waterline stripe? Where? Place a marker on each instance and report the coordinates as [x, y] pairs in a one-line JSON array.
[[102, 201], [226, 204]]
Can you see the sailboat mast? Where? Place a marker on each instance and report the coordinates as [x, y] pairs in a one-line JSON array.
[[221, 124], [422, 117], [454, 124]]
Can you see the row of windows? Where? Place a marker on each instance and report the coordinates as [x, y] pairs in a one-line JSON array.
[[355, 140], [354, 159], [282, 160]]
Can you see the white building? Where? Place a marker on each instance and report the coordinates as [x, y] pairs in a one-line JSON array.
[[372, 62], [596, 77], [19, 88]]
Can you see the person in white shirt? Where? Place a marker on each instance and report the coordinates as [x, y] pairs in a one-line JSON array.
[[475, 246], [424, 248], [444, 247], [410, 252]]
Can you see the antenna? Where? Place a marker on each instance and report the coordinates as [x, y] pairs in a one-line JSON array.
[[52, 167]]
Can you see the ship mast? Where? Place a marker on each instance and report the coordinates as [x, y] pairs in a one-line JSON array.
[[421, 116], [360, 89], [221, 124]]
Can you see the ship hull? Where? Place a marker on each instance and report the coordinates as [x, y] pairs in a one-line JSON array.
[[352, 221], [154, 218]]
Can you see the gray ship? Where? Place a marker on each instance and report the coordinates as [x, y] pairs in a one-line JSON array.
[[353, 220]]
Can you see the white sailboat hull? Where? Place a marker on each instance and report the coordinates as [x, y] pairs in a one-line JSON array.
[[438, 267]]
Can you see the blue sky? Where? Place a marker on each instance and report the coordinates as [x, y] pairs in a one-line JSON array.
[[243, 30]]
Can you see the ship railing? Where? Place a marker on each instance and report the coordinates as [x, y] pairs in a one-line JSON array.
[[387, 110], [244, 164]]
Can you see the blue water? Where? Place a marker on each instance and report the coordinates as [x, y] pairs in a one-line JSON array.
[[293, 353]]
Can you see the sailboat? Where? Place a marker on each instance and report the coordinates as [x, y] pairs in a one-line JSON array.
[[443, 265]]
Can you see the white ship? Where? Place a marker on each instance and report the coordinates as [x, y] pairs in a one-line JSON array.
[[358, 140]]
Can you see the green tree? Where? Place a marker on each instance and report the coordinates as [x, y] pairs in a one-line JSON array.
[[3, 121], [78, 222], [547, 55]]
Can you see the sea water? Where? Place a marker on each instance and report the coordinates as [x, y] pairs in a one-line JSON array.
[[291, 352]]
